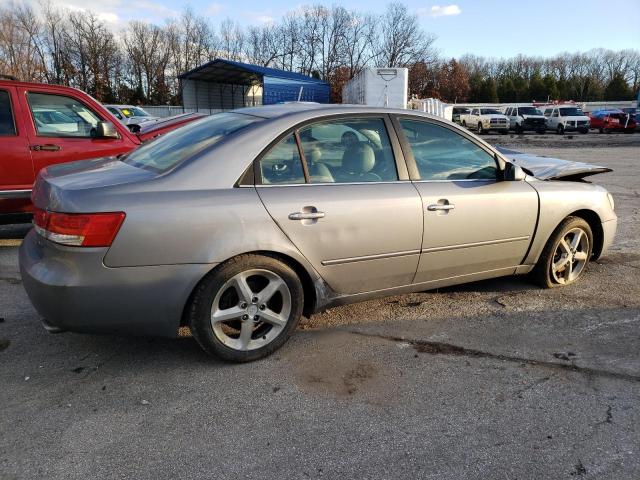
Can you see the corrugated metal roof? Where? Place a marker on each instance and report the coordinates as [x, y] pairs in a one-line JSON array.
[[221, 70]]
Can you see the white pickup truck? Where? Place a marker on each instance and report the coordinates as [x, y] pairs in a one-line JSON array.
[[485, 119]]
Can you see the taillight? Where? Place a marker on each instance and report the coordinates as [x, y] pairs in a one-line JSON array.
[[78, 229]]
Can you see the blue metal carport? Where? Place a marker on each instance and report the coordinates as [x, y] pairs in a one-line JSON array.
[[224, 84]]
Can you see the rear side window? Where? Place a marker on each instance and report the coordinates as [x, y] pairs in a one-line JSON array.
[[349, 150], [171, 149], [61, 116], [442, 154], [7, 126], [282, 165]]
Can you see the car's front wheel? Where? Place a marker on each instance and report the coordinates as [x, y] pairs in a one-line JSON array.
[[566, 254], [247, 308]]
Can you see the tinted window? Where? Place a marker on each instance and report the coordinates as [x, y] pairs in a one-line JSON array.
[[547, 112], [169, 150], [282, 164], [442, 154], [115, 112], [529, 111], [555, 113], [61, 116], [571, 112], [490, 111], [7, 127], [348, 150]]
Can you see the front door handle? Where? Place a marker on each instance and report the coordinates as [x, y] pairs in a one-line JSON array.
[[49, 147], [436, 206], [306, 215]]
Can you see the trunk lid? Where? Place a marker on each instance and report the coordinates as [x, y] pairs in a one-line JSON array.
[[64, 187], [548, 168]]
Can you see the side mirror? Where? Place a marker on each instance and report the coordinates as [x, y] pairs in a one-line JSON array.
[[513, 172], [105, 130]]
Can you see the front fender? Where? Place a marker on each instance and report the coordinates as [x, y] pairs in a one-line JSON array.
[[560, 199]]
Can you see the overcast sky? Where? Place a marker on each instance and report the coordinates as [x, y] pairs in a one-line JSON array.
[[497, 28]]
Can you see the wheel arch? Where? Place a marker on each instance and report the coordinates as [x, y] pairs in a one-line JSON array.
[[595, 223], [308, 284]]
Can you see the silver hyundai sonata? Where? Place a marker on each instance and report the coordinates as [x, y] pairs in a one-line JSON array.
[[238, 224]]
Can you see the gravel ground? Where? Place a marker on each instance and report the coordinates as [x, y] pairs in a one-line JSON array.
[[495, 379]]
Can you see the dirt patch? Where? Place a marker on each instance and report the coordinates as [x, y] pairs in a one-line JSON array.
[[362, 377]]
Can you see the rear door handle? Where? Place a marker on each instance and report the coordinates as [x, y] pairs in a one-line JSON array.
[[49, 147], [305, 215], [436, 206]]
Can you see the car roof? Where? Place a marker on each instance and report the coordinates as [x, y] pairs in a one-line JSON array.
[[319, 109]]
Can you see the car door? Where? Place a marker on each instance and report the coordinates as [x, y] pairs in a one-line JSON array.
[[473, 221], [16, 168], [60, 129], [333, 188], [475, 118]]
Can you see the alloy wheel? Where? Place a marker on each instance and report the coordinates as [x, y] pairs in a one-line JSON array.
[[251, 309], [570, 257]]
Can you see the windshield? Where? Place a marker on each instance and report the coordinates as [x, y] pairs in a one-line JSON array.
[[529, 111], [489, 111], [134, 112], [571, 112], [173, 148]]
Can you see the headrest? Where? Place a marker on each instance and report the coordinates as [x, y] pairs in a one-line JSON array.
[[359, 158]]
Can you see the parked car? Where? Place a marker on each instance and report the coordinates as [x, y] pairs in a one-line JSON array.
[[634, 112], [485, 119], [565, 118], [457, 111], [237, 225], [523, 118], [612, 120], [131, 116], [45, 124]]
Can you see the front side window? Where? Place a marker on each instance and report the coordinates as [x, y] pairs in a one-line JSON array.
[[61, 116], [348, 150], [171, 149], [555, 113], [7, 125], [442, 154], [282, 165]]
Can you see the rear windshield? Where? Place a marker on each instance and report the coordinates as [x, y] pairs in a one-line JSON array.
[[167, 151]]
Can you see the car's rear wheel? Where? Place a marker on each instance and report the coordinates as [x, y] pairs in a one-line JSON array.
[[566, 254], [560, 129], [247, 308]]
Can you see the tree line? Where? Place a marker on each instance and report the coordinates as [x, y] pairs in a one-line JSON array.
[[141, 63]]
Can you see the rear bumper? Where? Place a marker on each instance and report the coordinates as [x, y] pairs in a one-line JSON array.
[[73, 290]]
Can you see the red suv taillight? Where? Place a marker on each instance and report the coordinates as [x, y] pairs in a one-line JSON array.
[[78, 229]]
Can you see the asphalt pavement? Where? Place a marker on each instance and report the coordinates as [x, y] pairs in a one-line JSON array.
[[496, 379]]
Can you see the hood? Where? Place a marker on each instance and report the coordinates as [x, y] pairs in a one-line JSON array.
[[547, 168]]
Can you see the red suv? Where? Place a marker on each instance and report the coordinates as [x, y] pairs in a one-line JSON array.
[[45, 124]]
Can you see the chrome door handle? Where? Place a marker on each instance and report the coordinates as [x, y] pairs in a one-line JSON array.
[[435, 207], [305, 215]]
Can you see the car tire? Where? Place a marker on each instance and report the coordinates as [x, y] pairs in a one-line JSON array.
[[560, 129], [234, 292], [519, 130], [584, 130], [561, 264]]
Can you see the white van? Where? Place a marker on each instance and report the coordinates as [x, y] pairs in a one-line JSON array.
[[565, 118]]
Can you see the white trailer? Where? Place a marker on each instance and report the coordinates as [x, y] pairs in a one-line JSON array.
[[378, 87]]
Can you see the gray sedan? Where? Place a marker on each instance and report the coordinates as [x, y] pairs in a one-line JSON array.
[[236, 225]]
